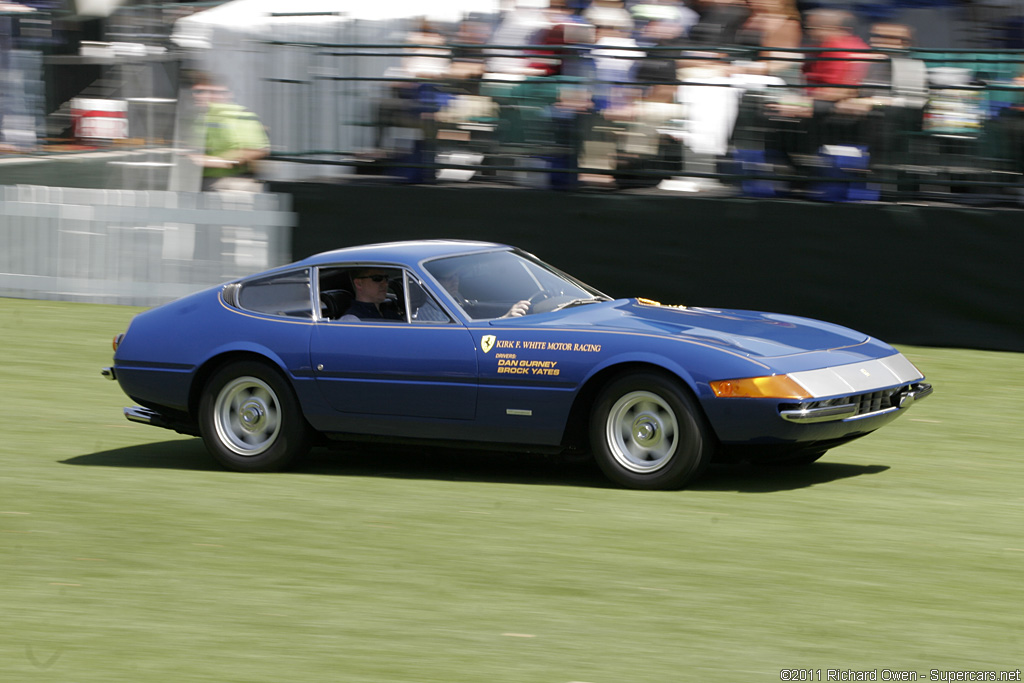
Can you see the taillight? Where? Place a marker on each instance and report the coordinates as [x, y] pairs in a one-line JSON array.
[[117, 340]]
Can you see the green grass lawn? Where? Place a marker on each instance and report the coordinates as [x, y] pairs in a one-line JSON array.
[[127, 555]]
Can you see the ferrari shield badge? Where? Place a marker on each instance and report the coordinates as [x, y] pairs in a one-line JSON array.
[[487, 343]]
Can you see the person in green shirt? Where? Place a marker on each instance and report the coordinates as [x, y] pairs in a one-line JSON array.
[[231, 136]]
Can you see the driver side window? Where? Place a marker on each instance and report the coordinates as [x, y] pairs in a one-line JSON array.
[[366, 293]]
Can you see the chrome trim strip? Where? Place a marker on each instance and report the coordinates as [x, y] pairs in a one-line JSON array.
[[314, 294], [846, 412], [874, 414], [825, 414]]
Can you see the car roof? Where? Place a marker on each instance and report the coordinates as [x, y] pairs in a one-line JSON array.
[[409, 252]]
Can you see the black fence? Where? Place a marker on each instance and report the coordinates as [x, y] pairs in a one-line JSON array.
[[940, 275]]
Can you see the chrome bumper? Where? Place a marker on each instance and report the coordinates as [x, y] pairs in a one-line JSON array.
[[900, 399], [109, 373]]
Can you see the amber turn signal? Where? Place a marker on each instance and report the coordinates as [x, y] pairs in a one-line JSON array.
[[774, 386]]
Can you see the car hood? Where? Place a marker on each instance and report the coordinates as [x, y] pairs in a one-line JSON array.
[[751, 333]]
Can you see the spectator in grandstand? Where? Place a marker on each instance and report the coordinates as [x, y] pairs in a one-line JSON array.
[[1006, 130], [719, 23], [663, 39], [894, 95], [231, 137], [609, 13], [406, 128], [832, 77], [520, 25], [427, 56], [834, 72], [615, 55], [891, 74], [673, 12], [468, 62], [653, 128], [562, 28], [614, 59], [774, 24]]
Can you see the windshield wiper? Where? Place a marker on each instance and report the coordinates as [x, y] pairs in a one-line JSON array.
[[578, 302]]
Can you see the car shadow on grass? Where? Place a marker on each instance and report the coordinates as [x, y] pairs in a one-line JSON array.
[[752, 478], [408, 462], [178, 454]]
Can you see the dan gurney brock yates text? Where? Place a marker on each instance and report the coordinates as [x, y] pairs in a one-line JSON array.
[[896, 675]]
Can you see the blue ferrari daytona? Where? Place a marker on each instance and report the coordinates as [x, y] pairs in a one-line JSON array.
[[484, 345]]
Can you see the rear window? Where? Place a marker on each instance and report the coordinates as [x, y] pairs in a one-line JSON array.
[[286, 294]]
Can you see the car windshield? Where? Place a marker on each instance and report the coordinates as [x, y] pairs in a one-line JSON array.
[[486, 285]]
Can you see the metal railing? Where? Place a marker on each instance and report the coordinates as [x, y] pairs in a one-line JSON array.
[[131, 247]]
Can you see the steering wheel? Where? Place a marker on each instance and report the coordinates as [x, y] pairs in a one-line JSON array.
[[548, 301], [539, 296]]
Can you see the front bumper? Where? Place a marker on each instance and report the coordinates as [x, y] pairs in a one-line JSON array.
[[834, 420], [858, 407]]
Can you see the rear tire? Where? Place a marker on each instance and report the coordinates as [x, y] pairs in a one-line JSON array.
[[250, 420], [646, 432]]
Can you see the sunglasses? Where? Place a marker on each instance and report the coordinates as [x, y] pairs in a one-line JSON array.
[[375, 278]]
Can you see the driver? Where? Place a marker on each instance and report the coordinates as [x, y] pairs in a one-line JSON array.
[[371, 290], [448, 276]]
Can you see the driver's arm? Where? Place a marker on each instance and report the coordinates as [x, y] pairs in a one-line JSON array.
[[519, 309]]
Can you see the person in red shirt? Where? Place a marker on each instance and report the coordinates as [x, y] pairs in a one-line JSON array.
[[833, 30], [831, 76], [806, 126]]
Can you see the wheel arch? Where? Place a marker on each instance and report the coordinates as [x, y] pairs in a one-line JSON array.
[[205, 371], [576, 429]]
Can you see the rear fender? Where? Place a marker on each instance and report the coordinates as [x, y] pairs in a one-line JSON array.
[[225, 355]]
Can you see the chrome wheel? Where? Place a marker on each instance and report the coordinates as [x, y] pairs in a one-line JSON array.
[[641, 431], [648, 432], [250, 418], [247, 416]]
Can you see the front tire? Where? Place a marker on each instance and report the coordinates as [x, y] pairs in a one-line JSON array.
[[648, 433], [250, 420]]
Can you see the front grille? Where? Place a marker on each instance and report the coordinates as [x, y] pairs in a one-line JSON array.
[[874, 401], [871, 402], [841, 408]]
